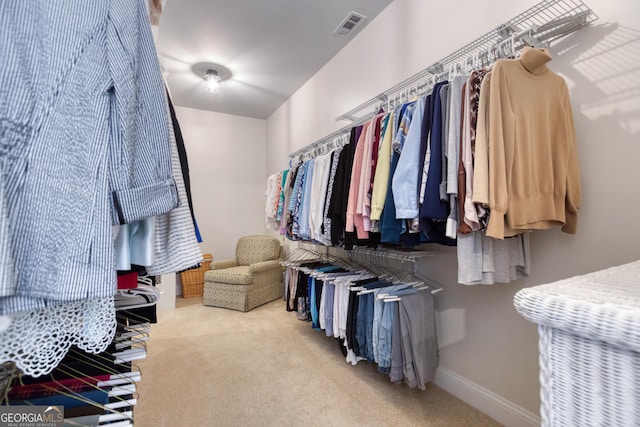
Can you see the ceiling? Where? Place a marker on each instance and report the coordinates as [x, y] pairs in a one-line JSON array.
[[271, 47]]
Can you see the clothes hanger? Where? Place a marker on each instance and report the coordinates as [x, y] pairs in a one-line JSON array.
[[500, 50], [490, 55], [411, 276], [514, 53], [336, 143], [479, 59], [131, 345], [326, 257], [462, 66], [124, 342], [122, 379], [8, 372], [296, 257], [508, 48], [136, 335], [97, 361], [136, 352], [142, 296], [118, 385], [468, 65], [110, 414], [140, 330], [452, 72], [375, 264], [396, 101]]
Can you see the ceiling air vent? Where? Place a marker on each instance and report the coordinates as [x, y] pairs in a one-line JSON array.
[[349, 23]]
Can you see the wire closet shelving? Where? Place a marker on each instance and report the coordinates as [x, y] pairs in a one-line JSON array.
[[538, 26]]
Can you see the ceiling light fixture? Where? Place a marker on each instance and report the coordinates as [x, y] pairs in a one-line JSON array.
[[212, 81], [213, 75]]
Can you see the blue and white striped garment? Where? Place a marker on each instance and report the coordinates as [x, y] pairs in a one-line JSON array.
[[7, 278], [84, 142], [176, 245]]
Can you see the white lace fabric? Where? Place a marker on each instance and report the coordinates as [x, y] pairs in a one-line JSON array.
[[37, 341]]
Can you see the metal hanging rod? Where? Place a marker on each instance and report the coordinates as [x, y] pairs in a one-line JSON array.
[[538, 26], [365, 255], [312, 149], [393, 261]]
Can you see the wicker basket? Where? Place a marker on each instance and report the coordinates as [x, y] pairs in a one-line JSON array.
[[193, 280]]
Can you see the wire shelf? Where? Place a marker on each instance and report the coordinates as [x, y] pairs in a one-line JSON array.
[[538, 26]]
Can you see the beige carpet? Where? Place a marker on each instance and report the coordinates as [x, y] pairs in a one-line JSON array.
[[209, 366]]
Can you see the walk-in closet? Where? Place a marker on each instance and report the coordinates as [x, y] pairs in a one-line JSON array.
[[345, 213]]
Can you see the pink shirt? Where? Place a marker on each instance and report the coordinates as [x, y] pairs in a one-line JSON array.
[[354, 185], [363, 206]]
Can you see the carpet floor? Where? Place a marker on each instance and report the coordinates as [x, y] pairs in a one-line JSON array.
[[209, 366]]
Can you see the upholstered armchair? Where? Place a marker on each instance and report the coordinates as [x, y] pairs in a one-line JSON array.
[[253, 278]]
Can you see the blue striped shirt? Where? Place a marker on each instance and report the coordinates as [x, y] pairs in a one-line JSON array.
[[84, 142]]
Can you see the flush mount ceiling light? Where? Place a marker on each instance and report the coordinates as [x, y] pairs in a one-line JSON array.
[[212, 74], [212, 81]]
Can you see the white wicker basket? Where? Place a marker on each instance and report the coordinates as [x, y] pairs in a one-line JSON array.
[[589, 347]]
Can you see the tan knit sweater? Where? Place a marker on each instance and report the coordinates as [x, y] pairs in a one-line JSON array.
[[534, 179]]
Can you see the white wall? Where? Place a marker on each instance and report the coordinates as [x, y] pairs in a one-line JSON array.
[[483, 340], [228, 173]]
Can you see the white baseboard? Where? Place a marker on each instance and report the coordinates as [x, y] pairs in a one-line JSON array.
[[495, 406]]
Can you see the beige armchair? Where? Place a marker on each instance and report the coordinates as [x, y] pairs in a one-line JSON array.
[[253, 278]]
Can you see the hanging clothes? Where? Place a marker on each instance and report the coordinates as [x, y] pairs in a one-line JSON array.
[[482, 259], [275, 199], [405, 178], [134, 244], [434, 213], [531, 134], [390, 226], [305, 202], [281, 197], [175, 246], [381, 176], [340, 193], [271, 194], [93, 134], [485, 260], [354, 185], [326, 222], [407, 144], [418, 335], [444, 105], [470, 214], [431, 172], [351, 306], [184, 162], [367, 173], [318, 195], [286, 222], [296, 201], [88, 172], [453, 151], [7, 273]]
